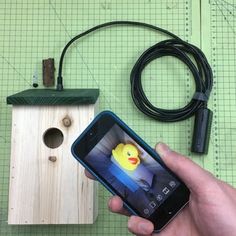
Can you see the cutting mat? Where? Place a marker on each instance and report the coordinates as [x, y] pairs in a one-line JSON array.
[[33, 30]]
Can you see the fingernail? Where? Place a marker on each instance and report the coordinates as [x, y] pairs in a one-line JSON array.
[[145, 228], [162, 149]]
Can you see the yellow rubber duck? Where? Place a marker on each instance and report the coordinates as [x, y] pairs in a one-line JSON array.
[[127, 156]]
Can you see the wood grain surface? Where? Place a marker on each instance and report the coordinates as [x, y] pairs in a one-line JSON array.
[[47, 185]]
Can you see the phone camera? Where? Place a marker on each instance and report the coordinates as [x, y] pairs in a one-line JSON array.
[[91, 134]]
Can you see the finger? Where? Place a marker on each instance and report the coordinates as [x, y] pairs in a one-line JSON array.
[[138, 225], [228, 189], [89, 175], [188, 171], [115, 205]]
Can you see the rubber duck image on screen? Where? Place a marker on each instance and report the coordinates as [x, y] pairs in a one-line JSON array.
[[126, 157]]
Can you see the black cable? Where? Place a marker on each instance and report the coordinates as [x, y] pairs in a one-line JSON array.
[[189, 54], [132, 23], [199, 67]]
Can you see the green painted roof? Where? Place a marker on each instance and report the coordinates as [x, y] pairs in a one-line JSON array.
[[54, 97]]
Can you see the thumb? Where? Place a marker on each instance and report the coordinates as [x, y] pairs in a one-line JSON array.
[[189, 172]]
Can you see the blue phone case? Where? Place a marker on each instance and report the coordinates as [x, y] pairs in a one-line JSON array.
[[125, 127]]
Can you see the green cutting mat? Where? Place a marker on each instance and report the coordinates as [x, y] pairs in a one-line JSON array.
[[30, 32]]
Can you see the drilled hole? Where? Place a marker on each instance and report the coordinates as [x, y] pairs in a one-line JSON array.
[[53, 138]]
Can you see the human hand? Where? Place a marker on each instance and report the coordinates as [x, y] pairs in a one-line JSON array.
[[212, 206]]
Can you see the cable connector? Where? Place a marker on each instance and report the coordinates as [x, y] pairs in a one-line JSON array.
[[202, 130], [59, 83]]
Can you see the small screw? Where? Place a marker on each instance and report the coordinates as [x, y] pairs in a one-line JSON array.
[[52, 158], [35, 78], [66, 121]]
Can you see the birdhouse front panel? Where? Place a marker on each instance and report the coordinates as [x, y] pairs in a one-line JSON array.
[[47, 185]]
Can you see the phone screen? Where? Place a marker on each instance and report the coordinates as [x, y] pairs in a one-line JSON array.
[[131, 171]]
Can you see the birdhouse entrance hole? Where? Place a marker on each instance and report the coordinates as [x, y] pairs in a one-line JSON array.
[[53, 138]]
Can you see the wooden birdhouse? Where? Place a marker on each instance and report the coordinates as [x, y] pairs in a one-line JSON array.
[[47, 185]]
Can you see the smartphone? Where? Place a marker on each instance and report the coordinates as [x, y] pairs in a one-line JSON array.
[[129, 168]]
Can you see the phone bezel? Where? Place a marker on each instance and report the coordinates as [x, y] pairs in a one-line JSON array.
[[86, 142]]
